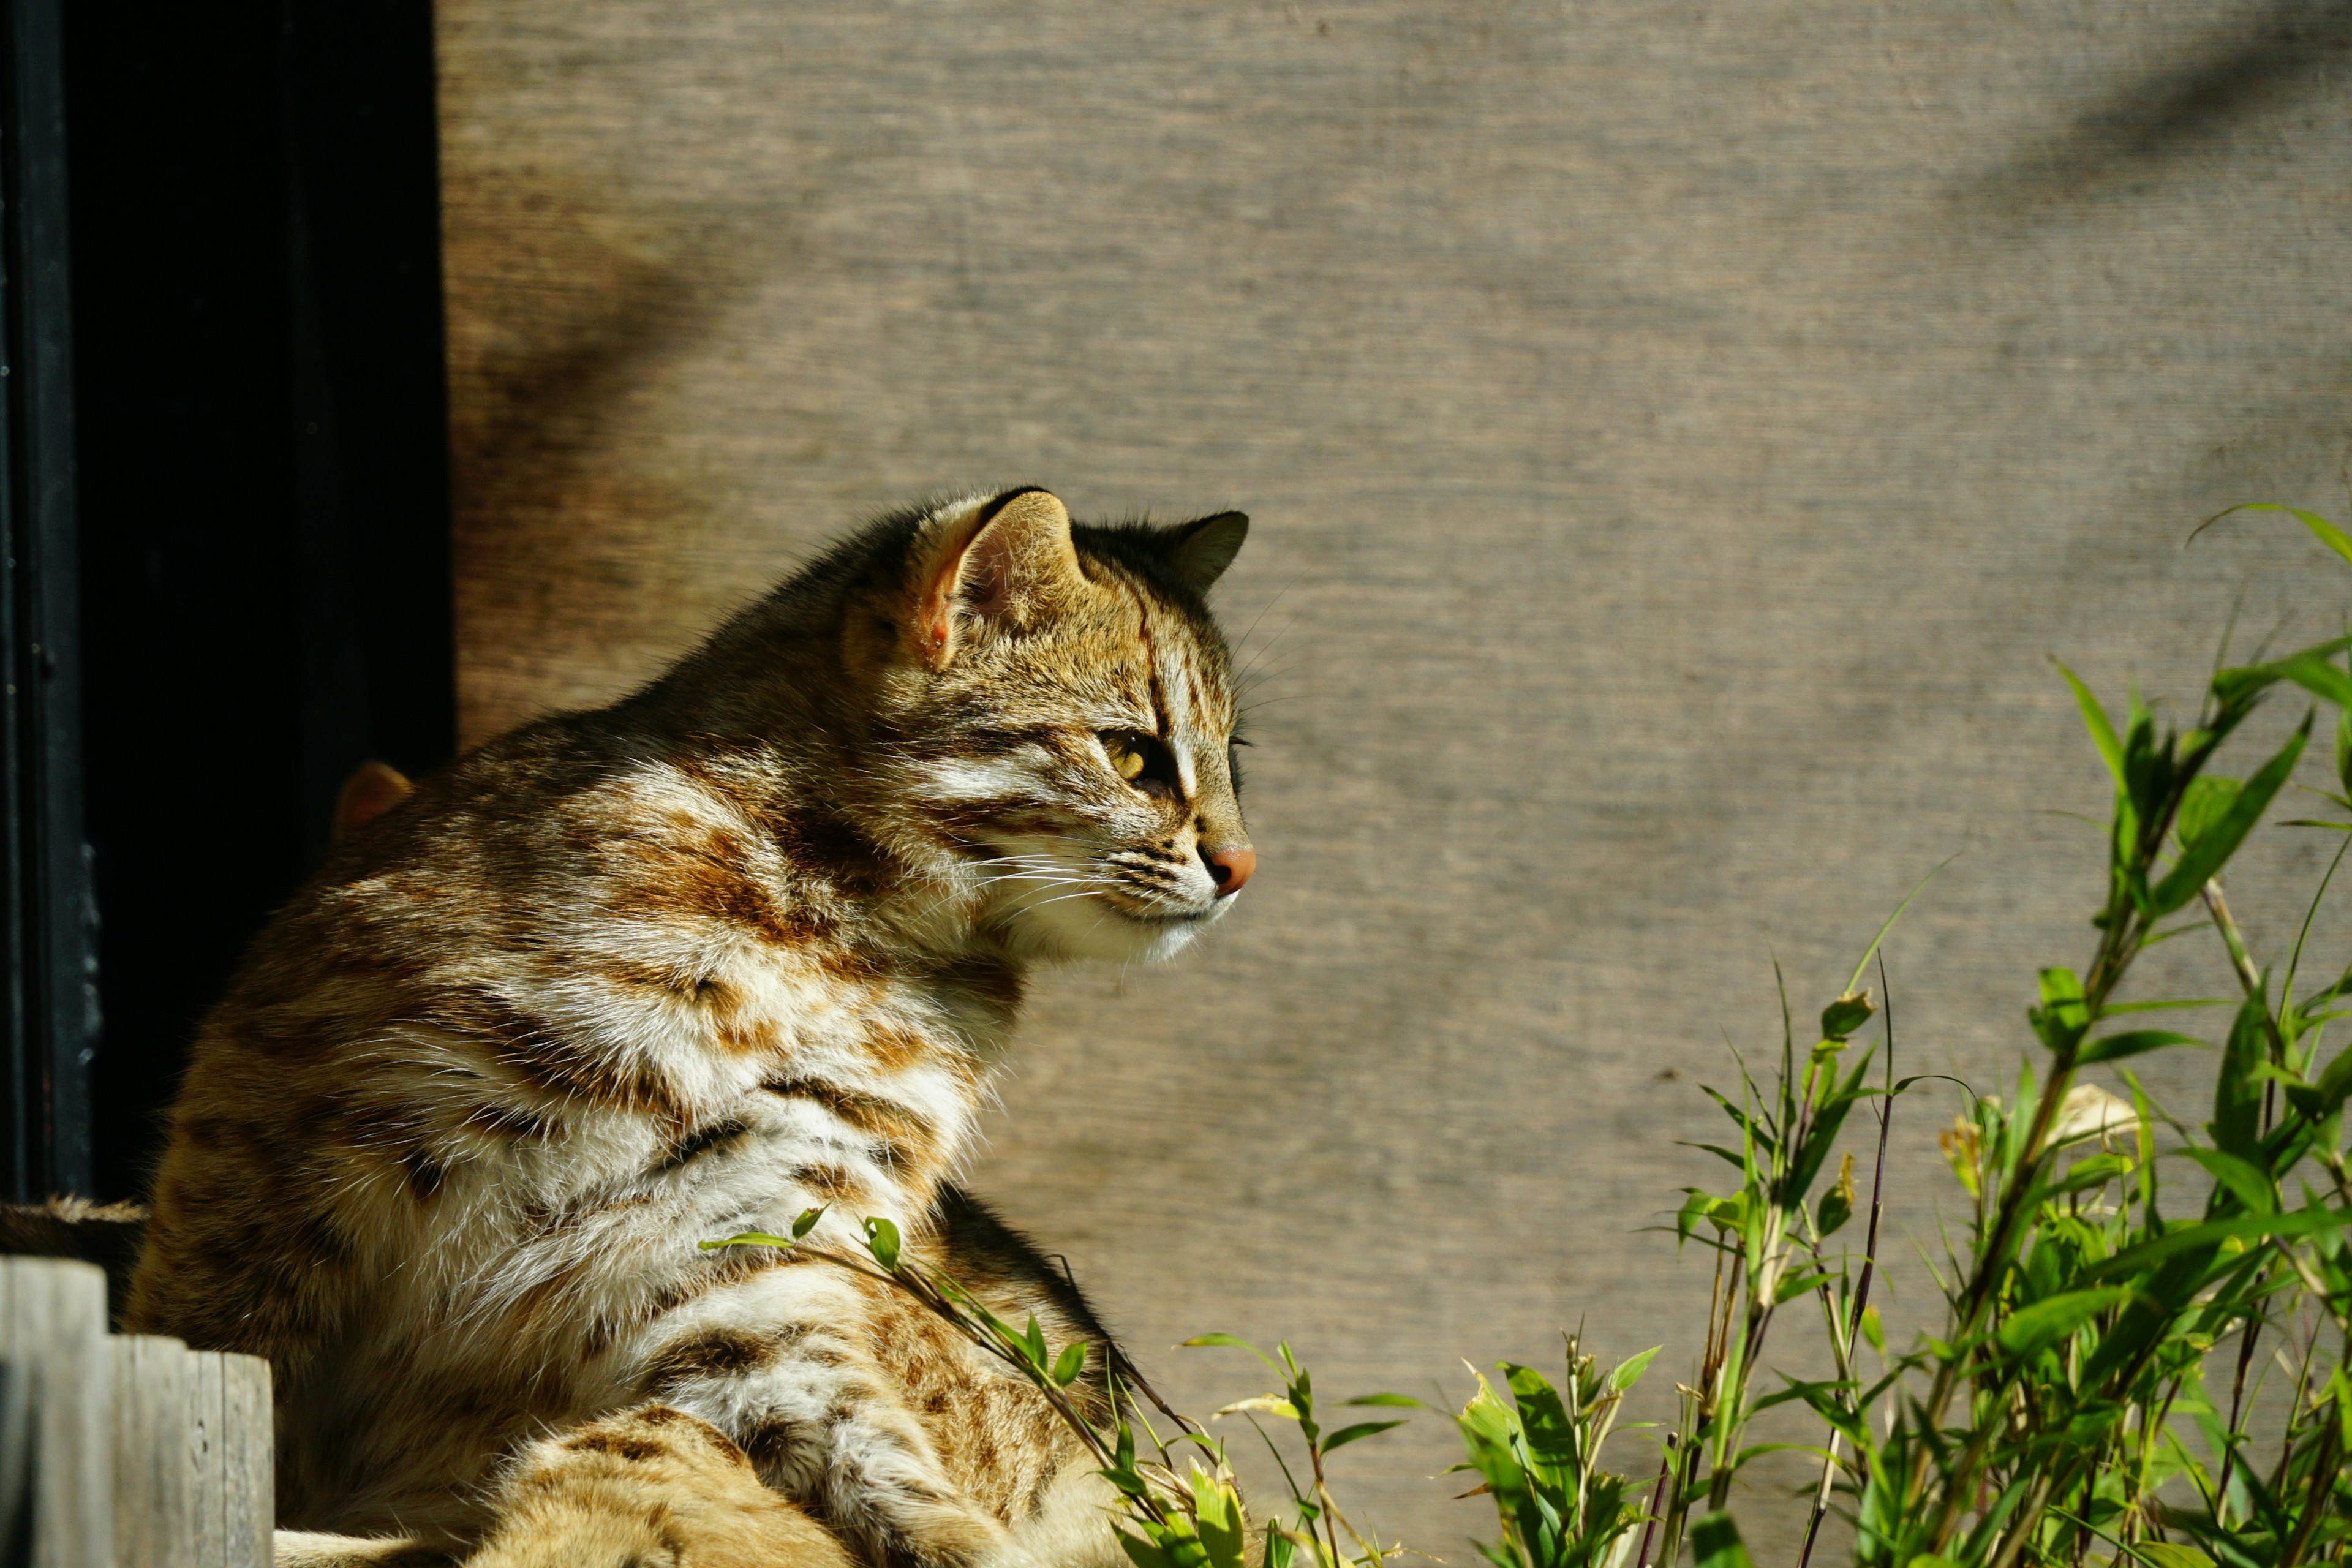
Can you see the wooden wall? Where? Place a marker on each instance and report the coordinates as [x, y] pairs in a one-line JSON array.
[[1676, 433]]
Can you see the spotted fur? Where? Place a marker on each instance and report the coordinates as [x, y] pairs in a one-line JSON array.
[[744, 943]]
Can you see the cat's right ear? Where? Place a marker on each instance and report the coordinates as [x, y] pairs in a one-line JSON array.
[[996, 565], [1201, 550]]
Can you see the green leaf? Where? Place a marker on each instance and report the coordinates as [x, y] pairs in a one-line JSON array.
[[1228, 1340], [2095, 1172], [1629, 1372], [1072, 1361], [2166, 1554], [2237, 1091], [1850, 1012], [1796, 1285], [2204, 802], [2133, 1043], [1347, 1435], [2313, 669], [1747, 1124], [1872, 1331], [882, 1241], [748, 1238], [2206, 855], [1142, 1553], [807, 1222], [2326, 532], [2044, 1322], [1264, 1405], [1863, 962], [2344, 747], [2095, 720], [1544, 1423], [2062, 1017], [1715, 1542], [2320, 1101], [2244, 1181], [2212, 1233], [1225, 1529], [1400, 1400]]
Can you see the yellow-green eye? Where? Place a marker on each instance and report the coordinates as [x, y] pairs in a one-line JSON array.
[[1143, 761]]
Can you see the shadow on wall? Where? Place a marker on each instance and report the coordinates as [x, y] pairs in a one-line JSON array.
[[2175, 108], [586, 309]]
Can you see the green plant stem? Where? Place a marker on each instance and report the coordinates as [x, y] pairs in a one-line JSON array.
[[1323, 1501], [2322, 1475], [1657, 1499], [2120, 940], [2250, 979]]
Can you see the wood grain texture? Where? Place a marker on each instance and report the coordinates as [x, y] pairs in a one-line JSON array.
[[53, 1333], [248, 1500], [1676, 434], [207, 1481], [154, 1426]]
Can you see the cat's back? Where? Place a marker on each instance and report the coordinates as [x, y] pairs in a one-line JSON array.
[[499, 994]]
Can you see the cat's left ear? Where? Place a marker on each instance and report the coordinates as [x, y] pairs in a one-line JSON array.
[[1201, 550], [1000, 565]]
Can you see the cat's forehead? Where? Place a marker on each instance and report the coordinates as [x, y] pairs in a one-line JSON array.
[[1129, 645]]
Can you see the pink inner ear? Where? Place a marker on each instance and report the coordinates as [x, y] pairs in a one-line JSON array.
[[987, 574]]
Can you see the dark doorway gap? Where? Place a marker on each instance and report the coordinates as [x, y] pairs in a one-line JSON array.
[[264, 479]]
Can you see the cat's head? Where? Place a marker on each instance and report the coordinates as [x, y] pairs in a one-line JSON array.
[[1056, 703]]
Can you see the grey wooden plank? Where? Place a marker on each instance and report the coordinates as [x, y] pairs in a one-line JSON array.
[[16, 1428], [208, 1483], [152, 1415], [54, 1331], [247, 1443]]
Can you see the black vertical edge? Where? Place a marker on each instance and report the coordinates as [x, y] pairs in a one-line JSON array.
[[264, 508], [370, 391], [53, 1002]]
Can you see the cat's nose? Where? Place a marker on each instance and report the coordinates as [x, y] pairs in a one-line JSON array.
[[1229, 867]]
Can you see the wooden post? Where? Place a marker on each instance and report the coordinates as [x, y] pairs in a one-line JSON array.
[[53, 1335], [229, 1452], [249, 1450], [130, 1451], [154, 1415]]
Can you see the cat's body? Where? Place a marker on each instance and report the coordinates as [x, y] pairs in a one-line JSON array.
[[741, 945]]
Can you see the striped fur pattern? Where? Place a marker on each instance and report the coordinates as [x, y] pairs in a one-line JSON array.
[[744, 943]]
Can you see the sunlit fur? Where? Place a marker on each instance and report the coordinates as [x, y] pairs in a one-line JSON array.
[[742, 944]]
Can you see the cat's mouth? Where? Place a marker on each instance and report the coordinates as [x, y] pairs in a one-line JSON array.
[[1154, 911]]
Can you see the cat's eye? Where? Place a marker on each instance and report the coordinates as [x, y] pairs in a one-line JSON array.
[[1143, 761]]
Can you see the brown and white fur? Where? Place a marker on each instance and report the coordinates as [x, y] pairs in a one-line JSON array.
[[742, 944]]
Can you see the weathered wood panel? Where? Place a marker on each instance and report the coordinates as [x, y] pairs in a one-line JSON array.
[[155, 1417], [133, 1451], [1676, 433], [245, 1452], [53, 1335]]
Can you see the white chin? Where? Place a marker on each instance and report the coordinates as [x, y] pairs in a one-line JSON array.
[[1090, 928]]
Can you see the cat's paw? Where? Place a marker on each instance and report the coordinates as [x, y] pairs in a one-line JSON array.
[[649, 1486]]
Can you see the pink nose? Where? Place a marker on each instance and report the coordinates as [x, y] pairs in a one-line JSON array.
[[1230, 868]]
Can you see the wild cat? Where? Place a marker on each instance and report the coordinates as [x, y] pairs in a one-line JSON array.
[[742, 944]]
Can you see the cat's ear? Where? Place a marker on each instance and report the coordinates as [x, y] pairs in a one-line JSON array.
[[372, 789], [1201, 550], [1002, 561]]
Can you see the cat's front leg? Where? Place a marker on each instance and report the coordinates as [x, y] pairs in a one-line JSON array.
[[782, 1364]]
